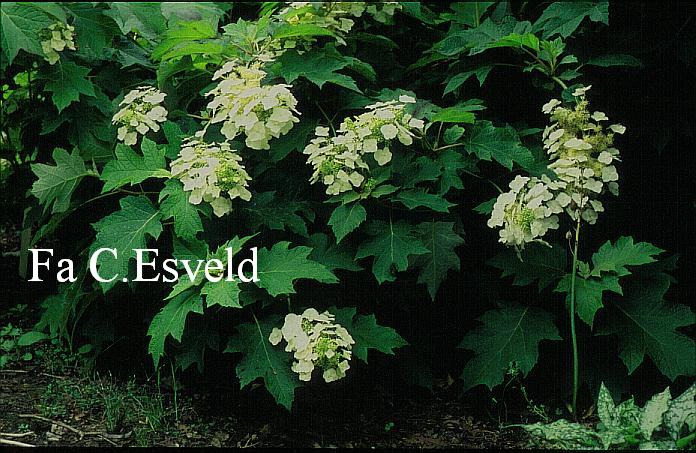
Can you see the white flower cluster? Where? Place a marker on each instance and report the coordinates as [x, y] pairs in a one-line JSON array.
[[336, 16], [526, 212], [211, 171], [581, 155], [317, 342], [140, 113], [56, 38], [339, 162], [242, 104]]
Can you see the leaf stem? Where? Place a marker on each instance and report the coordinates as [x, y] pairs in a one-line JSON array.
[[572, 316], [560, 82], [328, 120]]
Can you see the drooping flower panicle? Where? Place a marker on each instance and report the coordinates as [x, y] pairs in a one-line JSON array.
[[581, 155], [340, 161], [526, 212], [56, 38], [140, 113], [213, 173], [316, 341], [243, 105]]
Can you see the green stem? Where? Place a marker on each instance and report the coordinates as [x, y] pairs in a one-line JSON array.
[[176, 388], [685, 441], [572, 317], [560, 82]]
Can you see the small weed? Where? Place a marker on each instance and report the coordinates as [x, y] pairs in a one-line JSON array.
[[121, 407]]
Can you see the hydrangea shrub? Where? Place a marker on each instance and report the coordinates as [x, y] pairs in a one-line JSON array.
[[345, 141]]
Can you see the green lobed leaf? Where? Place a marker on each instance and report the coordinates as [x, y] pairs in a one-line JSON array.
[[538, 262], [141, 18], [478, 39], [174, 203], [131, 168], [615, 257], [499, 143], [177, 12], [563, 18], [265, 209], [223, 293], [415, 198], [367, 333], [21, 23], [391, 244], [199, 337], [441, 240], [452, 134], [453, 115], [518, 40], [67, 81], [55, 184], [486, 207], [332, 255], [171, 321], [588, 293], [94, 31], [452, 163], [645, 324], [346, 218], [300, 30], [124, 230], [279, 267], [510, 334], [467, 13], [184, 33], [261, 360], [458, 80], [318, 66]]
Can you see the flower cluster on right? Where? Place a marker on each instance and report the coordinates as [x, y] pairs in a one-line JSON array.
[[316, 342], [582, 157]]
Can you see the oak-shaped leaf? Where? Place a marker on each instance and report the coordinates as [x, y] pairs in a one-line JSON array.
[[262, 360], [509, 335], [367, 333], [56, 184], [124, 230], [171, 320], [281, 266], [131, 168], [391, 244]]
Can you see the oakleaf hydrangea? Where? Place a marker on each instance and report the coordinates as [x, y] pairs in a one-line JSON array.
[[213, 173], [316, 341], [339, 161], [56, 38], [526, 212], [140, 113], [582, 155], [243, 105]]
